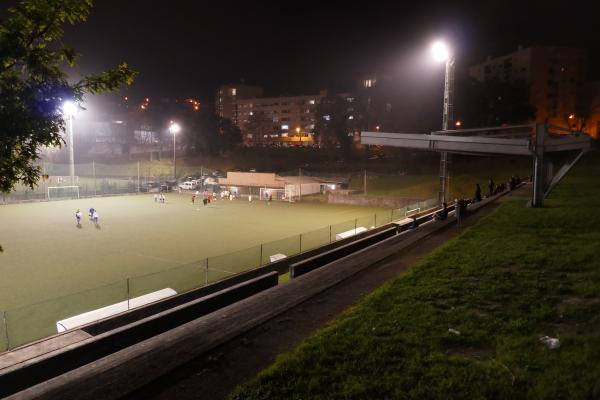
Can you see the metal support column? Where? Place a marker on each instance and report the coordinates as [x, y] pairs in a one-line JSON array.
[[539, 170]]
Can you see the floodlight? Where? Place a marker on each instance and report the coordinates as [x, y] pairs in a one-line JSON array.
[[440, 51], [174, 128], [69, 108]]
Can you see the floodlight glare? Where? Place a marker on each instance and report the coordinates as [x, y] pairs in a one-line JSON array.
[[440, 51], [174, 128], [69, 108]]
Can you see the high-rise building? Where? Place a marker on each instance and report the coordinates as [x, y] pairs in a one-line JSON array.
[[269, 120], [227, 96], [557, 78]]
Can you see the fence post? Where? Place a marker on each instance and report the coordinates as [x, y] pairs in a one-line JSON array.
[[94, 175], [5, 329], [355, 224], [206, 273], [329, 233], [261, 255], [300, 243], [392, 215], [128, 294], [375, 219], [138, 188]]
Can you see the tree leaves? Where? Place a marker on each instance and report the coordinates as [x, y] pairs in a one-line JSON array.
[[33, 84]]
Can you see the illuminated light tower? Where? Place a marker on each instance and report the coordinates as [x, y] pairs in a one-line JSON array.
[[174, 129], [69, 110], [441, 53]]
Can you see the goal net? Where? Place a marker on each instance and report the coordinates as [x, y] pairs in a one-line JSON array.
[[58, 180], [276, 194], [63, 192]]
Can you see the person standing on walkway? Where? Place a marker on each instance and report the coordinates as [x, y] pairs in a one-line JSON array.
[[491, 186], [477, 193]]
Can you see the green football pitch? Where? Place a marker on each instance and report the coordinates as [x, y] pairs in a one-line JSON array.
[[52, 269]]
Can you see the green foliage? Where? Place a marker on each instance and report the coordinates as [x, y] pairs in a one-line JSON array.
[[517, 275], [33, 84], [331, 122], [208, 134]]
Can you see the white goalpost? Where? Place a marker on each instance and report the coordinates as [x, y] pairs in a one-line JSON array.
[[276, 194], [63, 192]]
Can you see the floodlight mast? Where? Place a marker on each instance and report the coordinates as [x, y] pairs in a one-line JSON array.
[[441, 53], [69, 110], [174, 129]]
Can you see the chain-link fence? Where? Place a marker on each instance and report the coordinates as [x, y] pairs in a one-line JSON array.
[[99, 179], [35, 321]]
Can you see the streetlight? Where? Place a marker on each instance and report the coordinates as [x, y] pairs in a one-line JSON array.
[[441, 53], [174, 129], [69, 109]]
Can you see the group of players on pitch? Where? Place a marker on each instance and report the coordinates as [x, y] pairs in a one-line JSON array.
[[92, 213]]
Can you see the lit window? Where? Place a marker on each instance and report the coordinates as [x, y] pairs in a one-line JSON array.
[[327, 117], [233, 91], [285, 127], [351, 117], [311, 102], [368, 83]]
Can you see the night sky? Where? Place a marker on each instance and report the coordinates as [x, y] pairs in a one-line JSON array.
[[187, 48]]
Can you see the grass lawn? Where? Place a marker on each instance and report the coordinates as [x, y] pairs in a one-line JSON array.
[[51, 269], [465, 172], [466, 322]]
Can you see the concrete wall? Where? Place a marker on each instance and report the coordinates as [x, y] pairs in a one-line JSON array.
[[307, 188], [371, 201]]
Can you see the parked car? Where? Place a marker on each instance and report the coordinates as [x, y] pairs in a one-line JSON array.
[[150, 187], [188, 185]]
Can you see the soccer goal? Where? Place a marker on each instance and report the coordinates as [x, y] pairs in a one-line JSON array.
[[63, 192], [276, 194]]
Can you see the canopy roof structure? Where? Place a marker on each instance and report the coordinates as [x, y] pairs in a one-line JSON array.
[[538, 141]]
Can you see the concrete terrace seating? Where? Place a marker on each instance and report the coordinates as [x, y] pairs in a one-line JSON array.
[[312, 263], [18, 377]]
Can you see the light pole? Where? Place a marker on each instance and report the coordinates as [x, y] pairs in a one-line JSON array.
[[174, 129], [69, 110], [441, 53]]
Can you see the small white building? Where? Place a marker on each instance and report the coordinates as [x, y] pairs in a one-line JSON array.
[[269, 184]]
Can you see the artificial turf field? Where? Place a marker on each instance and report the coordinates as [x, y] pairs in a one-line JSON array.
[[50, 268]]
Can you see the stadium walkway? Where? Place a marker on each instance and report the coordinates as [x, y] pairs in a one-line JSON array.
[[216, 374]]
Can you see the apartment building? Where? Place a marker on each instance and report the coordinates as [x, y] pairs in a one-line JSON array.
[[228, 95], [558, 83]]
